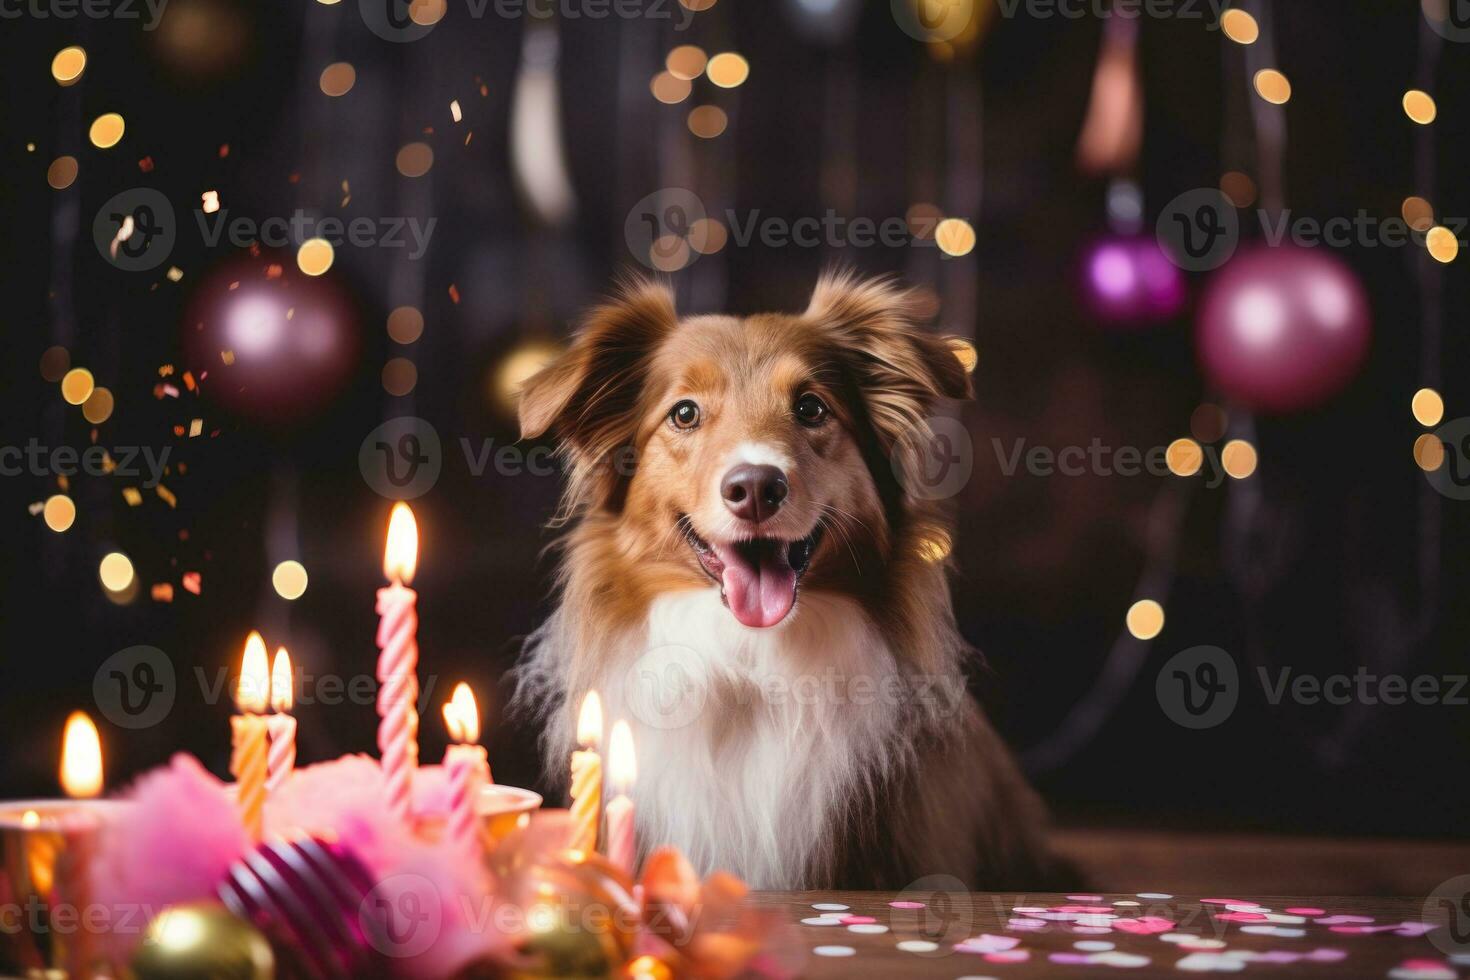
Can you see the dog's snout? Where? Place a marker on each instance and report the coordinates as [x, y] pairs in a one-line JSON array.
[[752, 492]]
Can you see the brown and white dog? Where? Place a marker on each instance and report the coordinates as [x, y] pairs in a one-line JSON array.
[[748, 583]]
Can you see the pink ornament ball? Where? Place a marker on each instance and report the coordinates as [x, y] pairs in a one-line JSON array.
[[1127, 281]]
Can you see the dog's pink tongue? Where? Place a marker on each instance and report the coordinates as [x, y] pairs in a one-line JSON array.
[[760, 592]]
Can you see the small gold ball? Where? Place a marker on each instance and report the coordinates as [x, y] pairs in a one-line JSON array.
[[202, 941]]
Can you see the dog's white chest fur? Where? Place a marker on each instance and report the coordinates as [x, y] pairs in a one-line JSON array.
[[752, 743]]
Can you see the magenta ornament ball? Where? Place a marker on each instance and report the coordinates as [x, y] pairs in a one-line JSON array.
[[1282, 329], [1127, 281]]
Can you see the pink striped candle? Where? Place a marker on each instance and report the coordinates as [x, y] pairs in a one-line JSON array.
[[398, 691], [468, 769], [282, 757], [622, 770]]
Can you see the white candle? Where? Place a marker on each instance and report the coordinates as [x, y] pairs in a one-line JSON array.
[[282, 727], [398, 690], [622, 770]]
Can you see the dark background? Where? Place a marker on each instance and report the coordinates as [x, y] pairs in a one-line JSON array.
[[1348, 560]]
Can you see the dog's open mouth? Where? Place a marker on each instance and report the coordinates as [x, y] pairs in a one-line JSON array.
[[757, 577]]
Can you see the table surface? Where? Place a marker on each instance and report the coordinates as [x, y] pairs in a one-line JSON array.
[[1159, 936]]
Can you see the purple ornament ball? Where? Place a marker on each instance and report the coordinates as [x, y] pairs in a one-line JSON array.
[[1282, 329], [1128, 281]]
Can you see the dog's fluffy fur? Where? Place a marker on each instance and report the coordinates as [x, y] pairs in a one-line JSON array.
[[840, 746]]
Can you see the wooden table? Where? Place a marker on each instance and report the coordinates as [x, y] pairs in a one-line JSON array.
[[950, 917]]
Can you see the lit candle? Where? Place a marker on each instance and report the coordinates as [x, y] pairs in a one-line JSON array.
[[81, 779], [587, 776], [467, 766], [282, 727], [398, 691], [622, 770], [248, 763]]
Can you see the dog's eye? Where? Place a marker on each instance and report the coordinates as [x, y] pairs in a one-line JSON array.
[[810, 410], [684, 414]]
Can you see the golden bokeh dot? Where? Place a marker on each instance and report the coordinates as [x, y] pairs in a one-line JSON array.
[[955, 236], [1429, 452], [1273, 86], [98, 406], [289, 579], [427, 13], [315, 256], [1240, 26], [670, 253], [727, 69], [415, 159], [116, 572], [1145, 619], [68, 65], [1207, 422], [697, 5], [399, 376], [54, 363], [1419, 106], [707, 121], [935, 545], [687, 61], [1442, 244], [1239, 458], [338, 79], [922, 219], [76, 386], [62, 173], [1418, 212], [669, 88], [707, 236], [513, 372], [405, 325], [1184, 457], [60, 512], [1428, 407], [965, 353], [107, 130], [1239, 188]]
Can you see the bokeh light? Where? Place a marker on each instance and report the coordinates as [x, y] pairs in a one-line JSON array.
[[405, 325], [54, 363], [315, 256], [728, 70], [62, 173], [707, 121], [669, 88], [935, 544], [68, 65], [415, 160], [1273, 86], [517, 367], [965, 353], [399, 376], [1429, 452], [955, 237], [1442, 244], [337, 79], [76, 386], [107, 130], [686, 62], [1419, 106], [1239, 188], [116, 572], [60, 512], [1240, 26], [98, 406], [289, 580], [1418, 213], [1207, 422], [707, 236], [1239, 458], [1428, 407], [1184, 457], [1145, 619]]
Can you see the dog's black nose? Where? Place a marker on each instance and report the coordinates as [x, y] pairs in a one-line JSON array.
[[753, 493]]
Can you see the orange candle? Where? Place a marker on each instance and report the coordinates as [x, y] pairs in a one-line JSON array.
[[587, 776], [248, 762]]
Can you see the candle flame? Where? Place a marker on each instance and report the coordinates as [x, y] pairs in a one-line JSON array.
[[589, 724], [30, 820], [253, 692], [282, 681], [81, 758], [401, 555], [462, 716], [622, 759]]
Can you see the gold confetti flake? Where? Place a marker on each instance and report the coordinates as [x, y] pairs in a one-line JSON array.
[[454, 111], [175, 273], [196, 426], [132, 496], [36, 508], [166, 495], [209, 202], [228, 356], [163, 592]]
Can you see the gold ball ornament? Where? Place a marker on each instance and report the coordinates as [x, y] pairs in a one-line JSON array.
[[202, 941]]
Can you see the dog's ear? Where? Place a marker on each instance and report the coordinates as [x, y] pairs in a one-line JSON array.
[[901, 369], [588, 393]]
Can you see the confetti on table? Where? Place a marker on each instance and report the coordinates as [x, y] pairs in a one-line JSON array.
[[1423, 970], [830, 907], [986, 943], [917, 946], [857, 920], [1307, 911], [822, 920], [1154, 896], [835, 951], [868, 929], [906, 905]]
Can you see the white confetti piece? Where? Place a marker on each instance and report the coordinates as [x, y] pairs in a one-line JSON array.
[[1093, 945], [868, 929], [1127, 903], [835, 951], [821, 920], [830, 907], [1156, 896], [917, 946]]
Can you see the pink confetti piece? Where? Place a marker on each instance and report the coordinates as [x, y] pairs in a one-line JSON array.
[[1226, 901], [1026, 925], [1144, 926], [1084, 909], [1241, 917], [1303, 910], [906, 905], [857, 920], [1010, 956], [1343, 920], [987, 943]]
